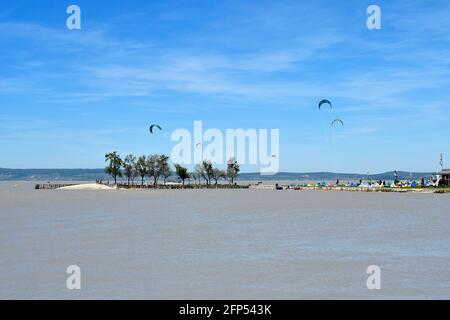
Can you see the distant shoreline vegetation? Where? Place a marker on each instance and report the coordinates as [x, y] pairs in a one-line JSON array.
[[8, 174], [155, 168]]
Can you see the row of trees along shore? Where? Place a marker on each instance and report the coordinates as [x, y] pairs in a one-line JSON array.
[[156, 167]]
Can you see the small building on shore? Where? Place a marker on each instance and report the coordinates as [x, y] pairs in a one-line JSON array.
[[445, 177]]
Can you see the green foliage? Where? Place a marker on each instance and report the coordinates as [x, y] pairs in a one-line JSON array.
[[182, 172], [155, 166], [218, 174], [207, 171], [233, 170], [152, 168], [141, 168], [164, 168], [129, 171], [114, 165]]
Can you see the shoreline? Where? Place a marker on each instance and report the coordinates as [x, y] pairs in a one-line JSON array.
[[276, 187], [368, 189]]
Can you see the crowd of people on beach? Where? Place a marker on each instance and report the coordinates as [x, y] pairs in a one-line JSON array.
[[396, 183], [422, 183]]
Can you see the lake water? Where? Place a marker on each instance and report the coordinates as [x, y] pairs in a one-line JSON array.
[[222, 244]]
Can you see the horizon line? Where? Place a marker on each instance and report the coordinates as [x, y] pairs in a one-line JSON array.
[[256, 173]]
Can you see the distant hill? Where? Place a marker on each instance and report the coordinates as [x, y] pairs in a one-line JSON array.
[[93, 174], [52, 174], [319, 176]]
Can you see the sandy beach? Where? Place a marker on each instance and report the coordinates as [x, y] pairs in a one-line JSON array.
[[87, 186]]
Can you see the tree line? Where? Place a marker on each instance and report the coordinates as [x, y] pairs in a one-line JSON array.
[[156, 167]]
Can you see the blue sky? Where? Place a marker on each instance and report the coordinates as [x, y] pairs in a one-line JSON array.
[[68, 97]]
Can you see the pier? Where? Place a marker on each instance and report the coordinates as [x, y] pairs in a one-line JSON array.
[[52, 186]]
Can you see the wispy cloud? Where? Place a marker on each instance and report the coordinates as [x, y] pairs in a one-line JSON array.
[[237, 56]]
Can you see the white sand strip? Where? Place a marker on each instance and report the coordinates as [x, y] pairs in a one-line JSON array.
[[88, 186]]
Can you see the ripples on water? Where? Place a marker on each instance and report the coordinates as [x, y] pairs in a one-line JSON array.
[[222, 244]]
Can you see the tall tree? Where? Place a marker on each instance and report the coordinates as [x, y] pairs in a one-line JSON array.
[[164, 167], [207, 171], [182, 172], [218, 174], [114, 165], [129, 165], [141, 168], [233, 169], [152, 168], [198, 173]]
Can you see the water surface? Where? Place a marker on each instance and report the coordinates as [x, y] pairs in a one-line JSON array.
[[222, 244]]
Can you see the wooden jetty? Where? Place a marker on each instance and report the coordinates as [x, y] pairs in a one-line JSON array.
[[52, 186]]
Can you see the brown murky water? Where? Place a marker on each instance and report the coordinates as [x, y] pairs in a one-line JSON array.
[[224, 244]]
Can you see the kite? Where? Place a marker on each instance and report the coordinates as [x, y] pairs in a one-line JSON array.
[[154, 126], [337, 121], [323, 102]]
